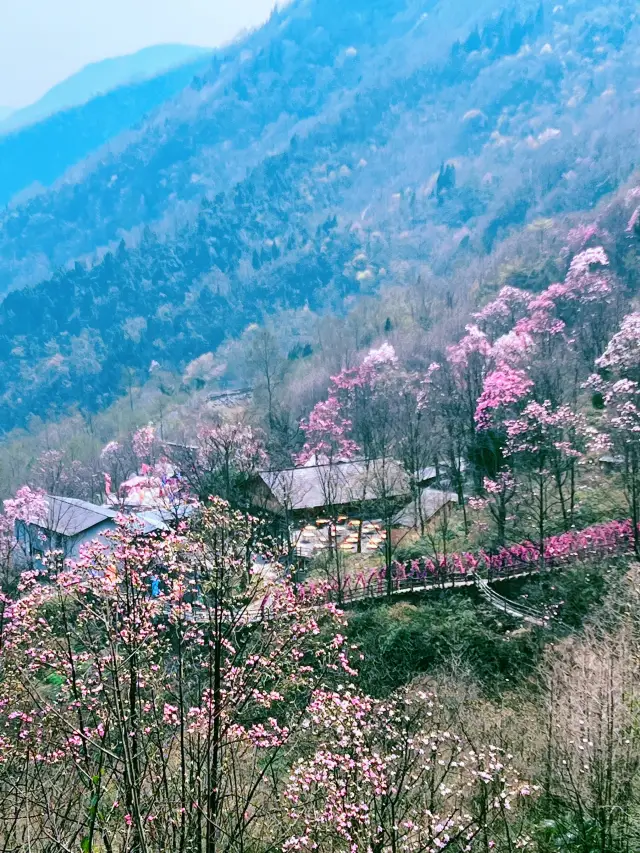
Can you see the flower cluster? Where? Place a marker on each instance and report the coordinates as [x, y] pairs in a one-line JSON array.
[[392, 775], [503, 388], [143, 443]]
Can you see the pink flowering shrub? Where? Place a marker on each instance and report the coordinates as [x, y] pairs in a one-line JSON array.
[[391, 775], [596, 542]]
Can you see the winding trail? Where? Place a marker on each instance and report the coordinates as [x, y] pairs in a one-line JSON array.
[[511, 608]]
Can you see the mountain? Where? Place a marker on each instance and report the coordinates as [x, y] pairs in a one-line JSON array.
[[5, 112], [97, 78], [339, 148], [35, 156]]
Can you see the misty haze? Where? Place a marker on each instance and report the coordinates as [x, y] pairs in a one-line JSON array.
[[319, 426]]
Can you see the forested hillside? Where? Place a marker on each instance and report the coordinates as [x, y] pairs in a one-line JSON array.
[[337, 150]]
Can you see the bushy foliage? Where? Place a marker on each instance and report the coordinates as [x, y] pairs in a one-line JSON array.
[[454, 635]]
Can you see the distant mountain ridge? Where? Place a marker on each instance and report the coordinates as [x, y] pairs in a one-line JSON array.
[[34, 157], [99, 78], [339, 148]]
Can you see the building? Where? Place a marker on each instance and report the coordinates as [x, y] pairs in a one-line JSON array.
[[441, 474], [319, 488], [159, 495], [411, 520], [71, 523], [610, 463]]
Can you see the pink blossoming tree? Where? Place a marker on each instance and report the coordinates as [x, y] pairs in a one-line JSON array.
[[620, 363], [391, 775], [504, 389], [544, 445], [226, 456], [28, 507], [149, 699], [144, 444]]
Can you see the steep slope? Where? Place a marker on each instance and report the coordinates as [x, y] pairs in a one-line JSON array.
[[324, 155], [304, 68], [98, 78], [40, 153]]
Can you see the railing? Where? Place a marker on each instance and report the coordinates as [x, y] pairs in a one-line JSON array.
[[465, 570], [513, 608], [592, 544]]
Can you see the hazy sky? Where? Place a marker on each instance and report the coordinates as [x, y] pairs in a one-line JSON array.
[[44, 41]]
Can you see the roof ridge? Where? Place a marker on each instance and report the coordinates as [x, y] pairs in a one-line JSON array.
[[81, 502], [327, 464]]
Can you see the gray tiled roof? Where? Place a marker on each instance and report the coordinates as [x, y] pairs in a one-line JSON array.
[[70, 516], [343, 483], [431, 500]]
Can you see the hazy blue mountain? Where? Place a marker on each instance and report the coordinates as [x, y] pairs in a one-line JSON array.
[[34, 156], [101, 77], [5, 112], [336, 149]]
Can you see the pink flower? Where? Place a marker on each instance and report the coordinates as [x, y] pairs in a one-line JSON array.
[[143, 442], [474, 342], [502, 388]]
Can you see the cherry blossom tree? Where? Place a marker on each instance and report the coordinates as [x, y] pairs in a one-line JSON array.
[[28, 507], [500, 491], [60, 475], [118, 462], [500, 315], [503, 389], [362, 415], [326, 432], [453, 392], [622, 355], [419, 435], [327, 445], [469, 360], [457, 439], [144, 444], [227, 454], [578, 314]]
